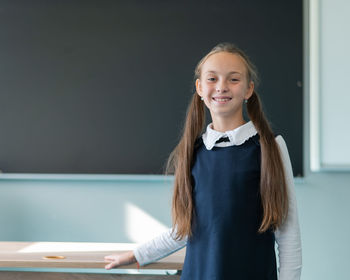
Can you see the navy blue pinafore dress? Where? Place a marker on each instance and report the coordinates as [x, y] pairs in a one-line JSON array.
[[228, 212]]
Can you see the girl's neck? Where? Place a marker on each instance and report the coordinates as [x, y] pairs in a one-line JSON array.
[[222, 124]]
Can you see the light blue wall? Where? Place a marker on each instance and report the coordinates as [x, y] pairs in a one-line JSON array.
[[78, 210], [94, 211], [324, 211]]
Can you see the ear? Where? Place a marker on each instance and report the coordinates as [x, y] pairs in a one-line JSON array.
[[250, 90], [199, 87]]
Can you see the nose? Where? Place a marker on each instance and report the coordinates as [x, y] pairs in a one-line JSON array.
[[221, 87]]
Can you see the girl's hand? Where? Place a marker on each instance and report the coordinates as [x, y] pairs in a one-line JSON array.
[[120, 259]]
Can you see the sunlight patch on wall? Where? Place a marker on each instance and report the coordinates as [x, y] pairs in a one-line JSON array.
[[140, 226]]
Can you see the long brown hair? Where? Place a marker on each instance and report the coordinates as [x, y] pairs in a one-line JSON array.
[[273, 189]]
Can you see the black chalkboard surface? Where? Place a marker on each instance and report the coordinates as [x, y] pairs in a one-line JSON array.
[[102, 86]]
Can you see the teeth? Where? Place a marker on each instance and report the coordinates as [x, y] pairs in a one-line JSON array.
[[222, 99]]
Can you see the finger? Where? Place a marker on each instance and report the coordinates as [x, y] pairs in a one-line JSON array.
[[111, 265], [110, 258]]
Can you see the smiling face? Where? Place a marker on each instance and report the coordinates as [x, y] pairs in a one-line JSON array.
[[224, 85]]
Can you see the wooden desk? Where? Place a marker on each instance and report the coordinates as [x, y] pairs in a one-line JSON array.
[[26, 260]]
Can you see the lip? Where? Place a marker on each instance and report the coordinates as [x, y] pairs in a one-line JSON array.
[[221, 97]]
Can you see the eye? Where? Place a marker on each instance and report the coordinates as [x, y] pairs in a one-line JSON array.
[[234, 80], [211, 79]]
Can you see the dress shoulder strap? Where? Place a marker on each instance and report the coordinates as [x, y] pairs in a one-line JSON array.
[[256, 138], [198, 143]]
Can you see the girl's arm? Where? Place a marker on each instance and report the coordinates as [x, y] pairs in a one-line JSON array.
[[151, 251], [158, 248], [288, 234]]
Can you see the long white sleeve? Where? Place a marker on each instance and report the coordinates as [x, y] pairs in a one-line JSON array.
[[288, 234], [158, 248]]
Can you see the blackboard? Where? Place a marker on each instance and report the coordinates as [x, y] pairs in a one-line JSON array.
[[102, 87]]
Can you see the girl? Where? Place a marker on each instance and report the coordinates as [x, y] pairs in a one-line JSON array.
[[233, 189]]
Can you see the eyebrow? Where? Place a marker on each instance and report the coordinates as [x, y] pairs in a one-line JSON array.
[[232, 72]]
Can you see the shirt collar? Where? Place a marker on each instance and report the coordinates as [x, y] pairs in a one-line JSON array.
[[237, 136]]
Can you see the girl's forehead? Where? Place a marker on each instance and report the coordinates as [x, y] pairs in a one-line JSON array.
[[224, 61]]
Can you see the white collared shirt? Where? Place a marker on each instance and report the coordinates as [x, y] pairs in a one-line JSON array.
[[236, 136], [287, 235]]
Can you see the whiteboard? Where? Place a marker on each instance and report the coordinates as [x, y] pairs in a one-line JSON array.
[[333, 90]]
